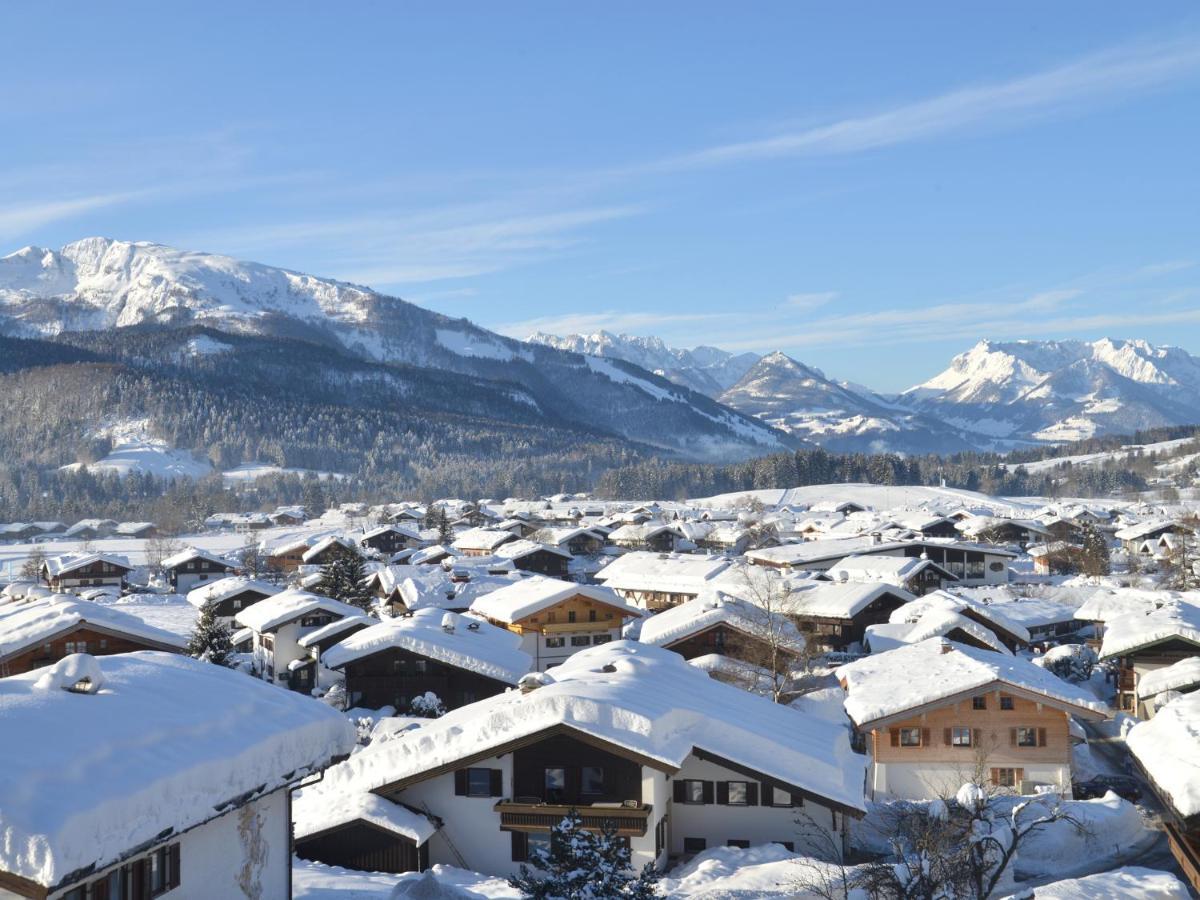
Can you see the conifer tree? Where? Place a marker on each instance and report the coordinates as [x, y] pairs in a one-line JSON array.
[[580, 865], [342, 579], [210, 639], [445, 532]]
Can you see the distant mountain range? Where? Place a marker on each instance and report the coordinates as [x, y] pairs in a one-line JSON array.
[[994, 396]]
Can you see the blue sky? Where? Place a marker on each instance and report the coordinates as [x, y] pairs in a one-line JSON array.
[[870, 187]]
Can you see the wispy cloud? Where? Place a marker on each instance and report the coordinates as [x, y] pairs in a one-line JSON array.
[[810, 301], [17, 220]]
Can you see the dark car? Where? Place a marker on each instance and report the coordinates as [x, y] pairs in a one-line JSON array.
[[1123, 786]]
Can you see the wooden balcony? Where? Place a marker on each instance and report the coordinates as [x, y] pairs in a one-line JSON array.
[[1186, 850], [630, 821]]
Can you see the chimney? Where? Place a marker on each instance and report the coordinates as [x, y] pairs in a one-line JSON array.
[[946, 647], [876, 537]]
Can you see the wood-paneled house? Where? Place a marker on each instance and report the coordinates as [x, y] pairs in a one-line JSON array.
[[939, 714], [289, 555], [458, 658], [192, 567], [193, 805], [280, 621], [391, 539], [719, 767], [656, 581], [1141, 644], [916, 575], [540, 559], [41, 632], [554, 618], [481, 541], [970, 563], [835, 615], [73, 572], [230, 596]]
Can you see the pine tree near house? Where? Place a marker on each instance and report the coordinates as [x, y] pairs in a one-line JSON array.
[[445, 532], [580, 865], [342, 579], [210, 640]]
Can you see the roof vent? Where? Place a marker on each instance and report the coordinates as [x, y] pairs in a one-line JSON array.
[[533, 681], [449, 621], [78, 673], [472, 626]]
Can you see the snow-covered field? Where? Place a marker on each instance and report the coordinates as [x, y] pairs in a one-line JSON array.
[[1097, 459]]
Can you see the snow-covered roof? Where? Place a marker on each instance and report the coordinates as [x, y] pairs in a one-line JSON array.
[[937, 670], [325, 543], [171, 743], [717, 608], [1181, 675], [645, 699], [820, 552], [428, 554], [481, 539], [1166, 748], [407, 532], [890, 569], [194, 553], [1140, 530], [933, 622], [519, 549], [663, 572], [315, 811], [1179, 619], [23, 625], [837, 600], [463, 641], [70, 562], [994, 615], [638, 532], [1125, 883], [336, 627], [279, 609], [223, 588], [529, 596]]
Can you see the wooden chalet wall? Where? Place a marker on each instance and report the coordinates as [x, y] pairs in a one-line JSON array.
[[100, 642], [365, 848], [622, 777], [393, 677]]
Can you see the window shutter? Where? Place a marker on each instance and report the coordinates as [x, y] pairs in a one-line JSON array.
[[1012, 737], [708, 792], [1020, 776], [497, 782], [946, 738], [680, 791], [460, 783], [925, 739], [174, 855], [1041, 737], [767, 793], [995, 776], [976, 738], [895, 732], [723, 793], [752, 794], [519, 848]]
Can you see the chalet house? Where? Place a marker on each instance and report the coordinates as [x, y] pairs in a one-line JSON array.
[[307, 673], [230, 596], [1143, 643], [941, 614], [971, 564], [720, 767], [75, 571], [963, 714], [459, 659], [191, 568], [520, 526], [930, 526], [327, 549], [1159, 687], [90, 529], [139, 530], [539, 559], [1164, 749], [835, 615], [555, 619], [196, 805], [289, 556], [481, 541], [1132, 537], [250, 522], [656, 537], [288, 515], [993, 530], [576, 541], [41, 632], [656, 581], [915, 574], [19, 531], [280, 621], [390, 539]]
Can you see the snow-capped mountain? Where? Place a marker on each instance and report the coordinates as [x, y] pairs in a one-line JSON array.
[[802, 401], [1062, 390], [708, 370], [98, 284]]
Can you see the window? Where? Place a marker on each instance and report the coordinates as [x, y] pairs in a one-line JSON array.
[[693, 791], [960, 737], [1005, 777], [420, 666], [237, 604], [601, 638], [103, 643], [737, 793], [69, 646], [81, 647], [1006, 703], [996, 566], [555, 782], [591, 615], [591, 781], [478, 782], [580, 640], [738, 842], [571, 615], [694, 845], [660, 837], [910, 737], [1027, 737], [979, 703], [780, 797], [555, 642]]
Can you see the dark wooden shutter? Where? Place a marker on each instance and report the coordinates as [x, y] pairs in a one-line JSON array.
[[1041, 737], [925, 738], [520, 851], [947, 737], [895, 733], [708, 792], [976, 737], [752, 794], [767, 793], [173, 855], [723, 793], [460, 783], [995, 776], [1012, 737], [681, 791], [497, 782]]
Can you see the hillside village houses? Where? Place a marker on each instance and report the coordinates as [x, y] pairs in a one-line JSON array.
[[229, 596], [77, 571], [1141, 644], [191, 567], [277, 624]]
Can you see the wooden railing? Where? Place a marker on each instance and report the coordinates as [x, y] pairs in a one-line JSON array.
[[1186, 850], [629, 821]]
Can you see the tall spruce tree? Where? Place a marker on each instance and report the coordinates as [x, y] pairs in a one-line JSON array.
[[581, 865], [342, 579], [445, 532], [210, 639]]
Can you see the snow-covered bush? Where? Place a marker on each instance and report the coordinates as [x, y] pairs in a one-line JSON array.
[[429, 705], [1070, 662]]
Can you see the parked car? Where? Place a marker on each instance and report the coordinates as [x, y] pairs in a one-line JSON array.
[[1124, 786]]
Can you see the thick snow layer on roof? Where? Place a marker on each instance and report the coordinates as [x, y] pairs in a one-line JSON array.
[[222, 588], [1182, 675], [1024, 612], [667, 572], [645, 699], [1166, 746], [532, 595], [23, 625], [325, 543], [1127, 883], [1178, 619], [715, 608], [193, 553], [1140, 530], [835, 600], [167, 741], [268, 614], [315, 810], [928, 673], [336, 627], [519, 549], [462, 641], [822, 551], [58, 565], [890, 569], [481, 539], [993, 614], [932, 623]]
